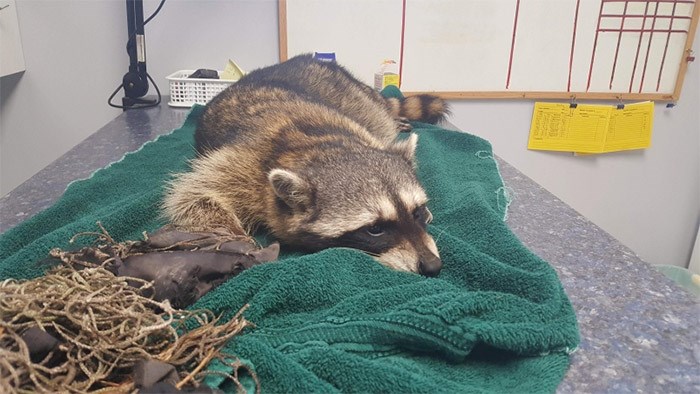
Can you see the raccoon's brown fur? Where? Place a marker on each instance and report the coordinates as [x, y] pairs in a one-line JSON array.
[[310, 153]]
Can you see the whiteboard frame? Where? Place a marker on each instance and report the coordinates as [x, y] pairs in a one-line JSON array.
[[559, 95]]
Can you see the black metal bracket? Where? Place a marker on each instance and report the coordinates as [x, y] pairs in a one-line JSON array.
[[135, 82]]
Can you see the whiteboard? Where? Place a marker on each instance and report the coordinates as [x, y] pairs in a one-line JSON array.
[[600, 49]]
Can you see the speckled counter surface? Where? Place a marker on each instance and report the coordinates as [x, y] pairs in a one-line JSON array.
[[640, 331], [126, 133]]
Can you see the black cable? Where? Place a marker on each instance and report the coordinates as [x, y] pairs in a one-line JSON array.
[[137, 106], [131, 37], [153, 15]]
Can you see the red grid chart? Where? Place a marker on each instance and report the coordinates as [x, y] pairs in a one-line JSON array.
[[648, 26], [644, 20]]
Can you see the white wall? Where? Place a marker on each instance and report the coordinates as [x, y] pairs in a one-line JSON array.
[[189, 34], [75, 57], [69, 51]]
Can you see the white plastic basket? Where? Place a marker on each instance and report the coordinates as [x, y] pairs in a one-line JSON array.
[[185, 92]]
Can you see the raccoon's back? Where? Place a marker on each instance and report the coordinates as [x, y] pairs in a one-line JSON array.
[[305, 90], [267, 120], [243, 115], [261, 96], [325, 82]]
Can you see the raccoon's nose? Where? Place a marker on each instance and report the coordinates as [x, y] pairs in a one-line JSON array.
[[430, 265]]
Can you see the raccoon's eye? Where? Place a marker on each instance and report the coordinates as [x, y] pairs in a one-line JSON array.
[[375, 230]]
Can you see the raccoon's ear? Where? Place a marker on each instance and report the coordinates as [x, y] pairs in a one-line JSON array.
[[290, 187], [406, 148]]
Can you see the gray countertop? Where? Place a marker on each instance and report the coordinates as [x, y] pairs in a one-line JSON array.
[[640, 332]]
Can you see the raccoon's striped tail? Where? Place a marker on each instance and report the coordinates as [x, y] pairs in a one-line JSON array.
[[421, 108]]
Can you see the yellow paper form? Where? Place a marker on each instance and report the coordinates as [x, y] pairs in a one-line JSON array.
[[590, 128], [630, 127]]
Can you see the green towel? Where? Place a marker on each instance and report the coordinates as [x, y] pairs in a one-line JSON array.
[[496, 319]]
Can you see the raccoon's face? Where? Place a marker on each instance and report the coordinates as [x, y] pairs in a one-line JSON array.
[[396, 235], [369, 201]]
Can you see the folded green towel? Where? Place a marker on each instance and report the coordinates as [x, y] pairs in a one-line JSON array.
[[496, 319]]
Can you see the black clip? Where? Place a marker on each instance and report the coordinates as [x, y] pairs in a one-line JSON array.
[[620, 105], [573, 103], [670, 105]]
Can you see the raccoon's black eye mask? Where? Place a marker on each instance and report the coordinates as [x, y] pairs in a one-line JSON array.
[[421, 215], [375, 238]]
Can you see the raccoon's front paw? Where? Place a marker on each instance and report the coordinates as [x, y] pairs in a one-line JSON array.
[[403, 125]]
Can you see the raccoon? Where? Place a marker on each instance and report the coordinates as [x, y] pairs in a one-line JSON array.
[[308, 152]]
